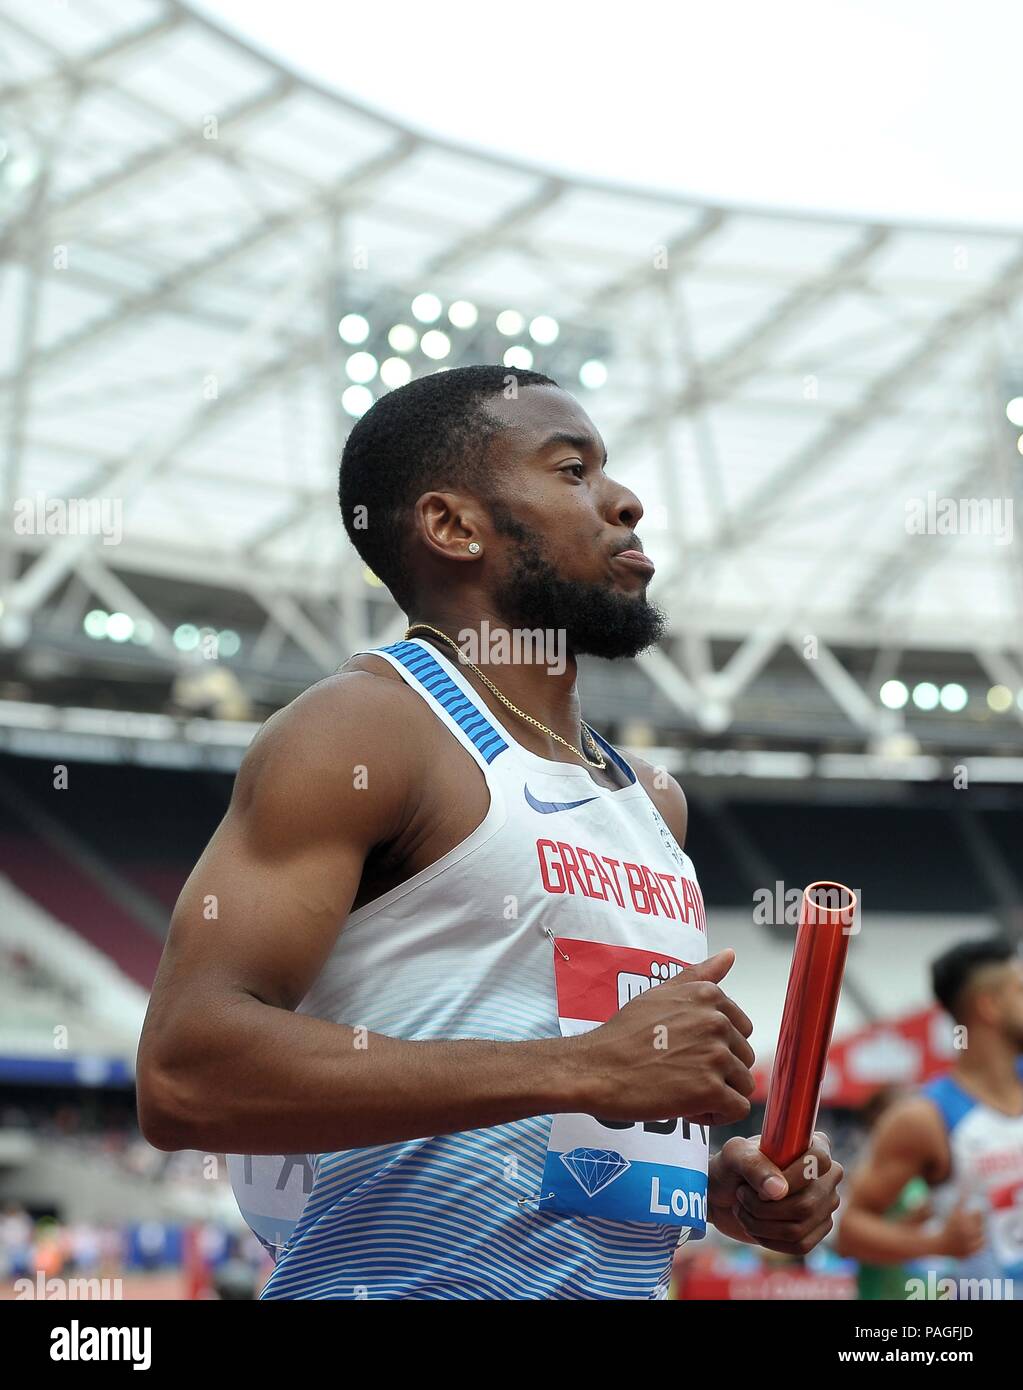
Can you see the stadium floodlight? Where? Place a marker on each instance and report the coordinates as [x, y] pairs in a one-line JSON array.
[[463, 314], [510, 322], [186, 637], [143, 634], [403, 337], [592, 374], [1014, 410], [228, 642], [1019, 444], [95, 623], [518, 356], [353, 328], [925, 695], [435, 344], [427, 308], [894, 694], [395, 371], [20, 170], [953, 697], [361, 367], [356, 400], [999, 698], [543, 329], [120, 627]]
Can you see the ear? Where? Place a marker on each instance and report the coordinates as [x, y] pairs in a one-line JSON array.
[[447, 521]]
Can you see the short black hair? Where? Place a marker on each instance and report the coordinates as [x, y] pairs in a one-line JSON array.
[[955, 968], [434, 432]]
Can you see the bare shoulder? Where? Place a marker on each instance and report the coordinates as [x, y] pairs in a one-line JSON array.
[[353, 706], [913, 1127], [337, 737], [372, 666], [667, 796]]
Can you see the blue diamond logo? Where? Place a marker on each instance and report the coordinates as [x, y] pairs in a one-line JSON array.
[[594, 1169]]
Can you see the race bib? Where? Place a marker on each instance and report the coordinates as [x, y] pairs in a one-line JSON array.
[[655, 1172]]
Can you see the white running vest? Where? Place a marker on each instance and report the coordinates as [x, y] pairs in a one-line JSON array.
[[986, 1147], [568, 899]]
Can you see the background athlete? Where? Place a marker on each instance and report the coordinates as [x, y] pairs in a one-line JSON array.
[[961, 1134], [378, 964]]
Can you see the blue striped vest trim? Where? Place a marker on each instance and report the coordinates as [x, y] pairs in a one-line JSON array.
[[952, 1102], [432, 677], [613, 754]]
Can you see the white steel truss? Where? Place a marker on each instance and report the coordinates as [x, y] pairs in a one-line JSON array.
[[182, 218]]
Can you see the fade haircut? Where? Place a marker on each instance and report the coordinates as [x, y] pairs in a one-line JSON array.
[[435, 432], [954, 971]]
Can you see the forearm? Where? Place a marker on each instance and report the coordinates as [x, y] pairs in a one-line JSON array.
[[873, 1239], [260, 1079]]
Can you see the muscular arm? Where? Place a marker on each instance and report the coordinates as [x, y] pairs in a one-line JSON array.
[[909, 1143], [224, 1063]]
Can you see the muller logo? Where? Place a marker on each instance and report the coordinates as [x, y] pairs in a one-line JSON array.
[[630, 983]]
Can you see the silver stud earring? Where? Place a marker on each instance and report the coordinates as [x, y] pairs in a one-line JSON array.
[[474, 547]]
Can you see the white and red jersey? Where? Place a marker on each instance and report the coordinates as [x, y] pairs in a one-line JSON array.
[[566, 901], [986, 1147]]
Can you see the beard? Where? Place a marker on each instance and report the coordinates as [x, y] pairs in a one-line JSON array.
[[596, 619]]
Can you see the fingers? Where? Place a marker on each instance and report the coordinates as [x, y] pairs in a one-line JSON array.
[[714, 968], [727, 1095], [740, 1049], [738, 1077], [973, 1231], [799, 1207], [792, 1226], [710, 996], [790, 1245], [706, 992], [755, 1168], [725, 1107], [811, 1165], [739, 1021]]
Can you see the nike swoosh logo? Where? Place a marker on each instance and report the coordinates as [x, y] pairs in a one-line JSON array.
[[547, 808]]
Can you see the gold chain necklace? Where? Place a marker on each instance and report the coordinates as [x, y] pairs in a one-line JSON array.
[[598, 762]]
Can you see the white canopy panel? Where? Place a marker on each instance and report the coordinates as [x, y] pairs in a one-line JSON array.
[[185, 221]]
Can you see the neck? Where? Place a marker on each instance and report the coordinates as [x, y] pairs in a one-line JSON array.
[[530, 667], [988, 1067]]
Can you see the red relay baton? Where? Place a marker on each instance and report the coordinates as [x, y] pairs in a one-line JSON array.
[[811, 1001]]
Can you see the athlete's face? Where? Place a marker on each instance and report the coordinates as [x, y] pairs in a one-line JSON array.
[[571, 558], [1010, 1001], [998, 999]]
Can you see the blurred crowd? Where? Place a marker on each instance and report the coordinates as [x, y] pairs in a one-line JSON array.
[[212, 1262]]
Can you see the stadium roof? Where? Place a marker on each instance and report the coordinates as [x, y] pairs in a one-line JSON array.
[[185, 222]]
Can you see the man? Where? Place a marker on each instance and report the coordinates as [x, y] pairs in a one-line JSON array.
[[401, 960], [961, 1134]]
